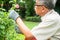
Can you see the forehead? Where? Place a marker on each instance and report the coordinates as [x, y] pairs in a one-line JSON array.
[[40, 2], [37, 2]]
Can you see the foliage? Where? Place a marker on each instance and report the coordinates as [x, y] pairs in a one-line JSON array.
[[34, 19], [29, 7], [21, 10], [7, 4], [1, 9], [26, 8], [7, 28], [5, 23], [57, 7]]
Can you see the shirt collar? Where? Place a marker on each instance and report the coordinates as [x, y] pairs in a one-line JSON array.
[[47, 14]]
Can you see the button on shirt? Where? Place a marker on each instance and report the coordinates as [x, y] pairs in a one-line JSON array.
[[49, 28]]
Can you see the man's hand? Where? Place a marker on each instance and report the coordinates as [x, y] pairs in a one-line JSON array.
[[13, 14]]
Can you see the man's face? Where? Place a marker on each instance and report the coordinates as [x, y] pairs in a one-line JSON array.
[[38, 8]]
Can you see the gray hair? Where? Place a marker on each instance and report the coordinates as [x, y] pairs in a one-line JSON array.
[[48, 3]]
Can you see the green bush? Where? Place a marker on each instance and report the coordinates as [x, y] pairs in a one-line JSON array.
[[7, 28], [34, 19]]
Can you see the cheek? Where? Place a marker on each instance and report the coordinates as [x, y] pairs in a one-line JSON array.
[[38, 11]]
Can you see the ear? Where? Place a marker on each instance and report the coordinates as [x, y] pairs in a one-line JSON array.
[[43, 9]]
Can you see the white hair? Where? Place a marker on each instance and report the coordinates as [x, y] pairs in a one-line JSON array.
[[48, 3]]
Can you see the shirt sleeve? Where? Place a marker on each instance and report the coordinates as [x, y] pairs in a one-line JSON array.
[[45, 29]]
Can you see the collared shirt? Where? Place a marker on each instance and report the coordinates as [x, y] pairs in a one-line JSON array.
[[48, 28]]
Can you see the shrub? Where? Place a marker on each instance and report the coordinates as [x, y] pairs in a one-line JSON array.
[[7, 28]]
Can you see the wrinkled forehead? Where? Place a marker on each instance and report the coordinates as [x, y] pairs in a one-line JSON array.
[[40, 0]]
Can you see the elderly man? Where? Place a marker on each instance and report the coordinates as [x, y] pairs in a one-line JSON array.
[[48, 29]]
